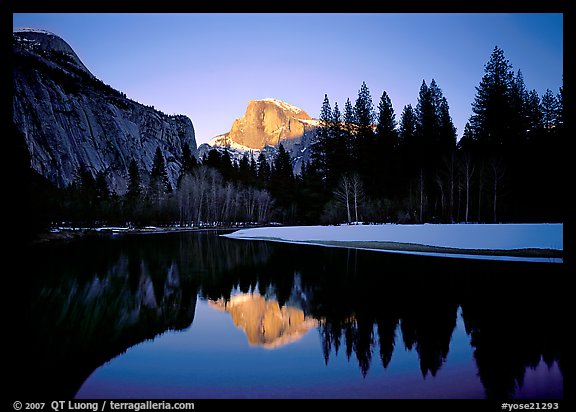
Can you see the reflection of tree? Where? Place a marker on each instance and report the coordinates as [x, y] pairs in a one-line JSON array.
[[363, 343], [524, 325], [359, 301], [358, 338], [386, 338], [428, 327], [427, 331], [507, 337]]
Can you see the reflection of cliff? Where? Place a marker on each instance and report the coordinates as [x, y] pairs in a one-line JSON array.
[[265, 322], [92, 310]]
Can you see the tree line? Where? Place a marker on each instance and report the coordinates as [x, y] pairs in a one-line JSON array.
[[506, 166], [364, 166], [205, 194]]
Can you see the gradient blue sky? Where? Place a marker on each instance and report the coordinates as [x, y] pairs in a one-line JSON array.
[[207, 66]]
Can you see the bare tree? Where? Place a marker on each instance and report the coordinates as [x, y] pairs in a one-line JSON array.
[[357, 191], [214, 188], [199, 186], [203, 196], [343, 193], [184, 197], [249, 196], [229, 193], [264, 201]]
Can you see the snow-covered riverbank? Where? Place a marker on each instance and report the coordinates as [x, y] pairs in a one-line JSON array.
[[479, 241]]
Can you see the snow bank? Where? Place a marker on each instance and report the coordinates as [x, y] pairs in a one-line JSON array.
[[461, 236]]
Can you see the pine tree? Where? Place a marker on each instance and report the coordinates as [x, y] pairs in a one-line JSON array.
[[408, 144], [386, 132], [435, 139], [407, 126], [189, 162], [263, 169], [384, 158], [349, 132], [491, 106], [425, 127], [253, 170], [435, 130], [426, 116], [213, 159], [132, 198], [225, 166], [101, 188], [159, 182], [103, 199], [320, 147], [534, 117], [561, 98], [83, 193], [364, 109], [364, 141], [518, 100], [244, 169], [282, 178], [283, 164], [549, 107], [349, 118], [468, 139], [338, 148], [447, 131], [134, 181]]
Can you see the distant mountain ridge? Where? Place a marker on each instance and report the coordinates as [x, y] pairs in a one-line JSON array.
[[72, 120]]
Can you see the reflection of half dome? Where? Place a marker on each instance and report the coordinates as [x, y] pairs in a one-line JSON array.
[[265, 323]]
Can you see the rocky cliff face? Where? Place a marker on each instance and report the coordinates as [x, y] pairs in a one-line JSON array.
[[70, 119], [269, 122], [265, 125]]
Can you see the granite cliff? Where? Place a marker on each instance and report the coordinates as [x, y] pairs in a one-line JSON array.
[[269, 122], [70, 119], [265, 125]]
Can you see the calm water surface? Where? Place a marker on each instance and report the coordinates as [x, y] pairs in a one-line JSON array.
[[194, 315]]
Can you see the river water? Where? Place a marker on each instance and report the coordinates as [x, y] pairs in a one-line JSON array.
[[195, 315]]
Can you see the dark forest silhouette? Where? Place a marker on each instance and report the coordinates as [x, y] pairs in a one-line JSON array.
[[365, 166]]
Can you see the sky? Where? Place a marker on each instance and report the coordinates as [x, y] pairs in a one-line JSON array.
[[208, 66]]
